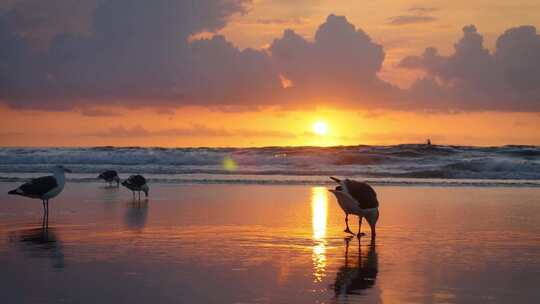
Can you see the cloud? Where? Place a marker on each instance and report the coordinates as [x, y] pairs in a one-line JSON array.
[[140, 53], [415, 15], [137, 50], [410, 19], [39, 21], [422, 9], [341, 62], [99, 113], [194, 131], [280, 21], [473, 78]]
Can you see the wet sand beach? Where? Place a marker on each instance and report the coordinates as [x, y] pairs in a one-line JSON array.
[[270, 244]]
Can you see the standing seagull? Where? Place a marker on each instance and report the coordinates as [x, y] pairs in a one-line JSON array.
[[136, 183], [360, 199], [44, 188], [110, 176]]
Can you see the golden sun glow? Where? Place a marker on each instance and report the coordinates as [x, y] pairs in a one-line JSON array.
[[320, 128]]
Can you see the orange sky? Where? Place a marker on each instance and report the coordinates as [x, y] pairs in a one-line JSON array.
[[264, 21], [203, 127]]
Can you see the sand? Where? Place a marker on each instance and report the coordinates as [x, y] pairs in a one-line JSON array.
[[270, 244]]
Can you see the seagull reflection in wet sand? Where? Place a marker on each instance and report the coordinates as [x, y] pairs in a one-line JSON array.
[[136, 214], [41, 242], [353, 278]]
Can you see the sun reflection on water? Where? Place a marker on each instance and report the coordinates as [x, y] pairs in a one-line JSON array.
[[319, 214]]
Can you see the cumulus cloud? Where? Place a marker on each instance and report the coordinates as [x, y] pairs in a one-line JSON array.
[[341, 62], [143, 53], [39, 21], [474, 78], [137, 50]]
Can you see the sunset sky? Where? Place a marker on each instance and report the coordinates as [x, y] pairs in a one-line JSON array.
[[259, 73]]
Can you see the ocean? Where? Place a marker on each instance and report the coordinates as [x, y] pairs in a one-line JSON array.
[[408, 164]]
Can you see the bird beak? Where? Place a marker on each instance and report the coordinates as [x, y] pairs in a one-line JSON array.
[[67, 170], [337, 180]]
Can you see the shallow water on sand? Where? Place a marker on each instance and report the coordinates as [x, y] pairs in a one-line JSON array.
[[270, 244]]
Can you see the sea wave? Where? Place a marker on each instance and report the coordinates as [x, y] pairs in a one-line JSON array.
[[423, 162]]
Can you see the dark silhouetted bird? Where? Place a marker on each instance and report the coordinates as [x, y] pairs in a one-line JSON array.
[[136, 183], [110, 176], [357, 198], [44, 188]]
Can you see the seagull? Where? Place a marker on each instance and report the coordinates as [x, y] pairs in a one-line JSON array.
[[44, 188], [360, 199], [110, 176], [136, 183]]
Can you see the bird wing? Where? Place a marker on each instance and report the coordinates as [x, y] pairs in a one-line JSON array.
[[109, 174], [362, 193], [346, 202], [38, 186], [137, 180]]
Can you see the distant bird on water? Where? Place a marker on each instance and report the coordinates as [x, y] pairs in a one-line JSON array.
[[359, 199], [136, 183], [44, 188], [110, 176]]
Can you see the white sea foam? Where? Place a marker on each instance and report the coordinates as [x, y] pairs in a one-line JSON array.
[[381, 164]]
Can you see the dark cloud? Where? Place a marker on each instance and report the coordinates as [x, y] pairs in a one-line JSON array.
[[138, 49], [39, 21], [99, 113], [473, 78], [223, 74], [410, 19], [142, 53], [341, 62]]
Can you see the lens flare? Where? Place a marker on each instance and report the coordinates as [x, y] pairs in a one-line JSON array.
[[229, 164]]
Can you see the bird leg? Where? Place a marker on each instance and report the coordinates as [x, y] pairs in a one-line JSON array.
[[347, 224], [372, 221], [43, 220], [360, 233]]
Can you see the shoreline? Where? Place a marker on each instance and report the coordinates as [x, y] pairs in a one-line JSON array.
[[281, 180]]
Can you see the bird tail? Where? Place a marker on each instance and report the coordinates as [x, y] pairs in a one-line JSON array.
[[14, 192], [337, 180]]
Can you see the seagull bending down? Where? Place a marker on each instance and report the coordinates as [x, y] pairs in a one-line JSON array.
[[136, 183], [110, 176], [359, 199]]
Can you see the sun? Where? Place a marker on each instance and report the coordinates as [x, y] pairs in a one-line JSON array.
[[320, 128]]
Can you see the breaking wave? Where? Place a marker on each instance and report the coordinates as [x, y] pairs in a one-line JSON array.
[[382, 164]]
